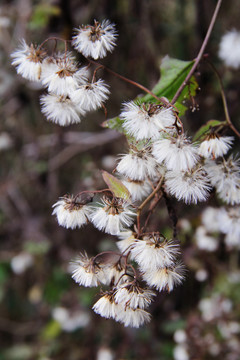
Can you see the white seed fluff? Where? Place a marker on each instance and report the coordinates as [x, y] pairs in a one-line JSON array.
[[191, 187], [215, 147], [95, 41], [71, 215], [91, 96], [176, 153], [146, 121], [28, 61], [61, 109]]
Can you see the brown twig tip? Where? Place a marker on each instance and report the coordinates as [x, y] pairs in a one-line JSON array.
[[200, 54]]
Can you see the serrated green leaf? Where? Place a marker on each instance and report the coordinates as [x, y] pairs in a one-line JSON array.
[[116, 186], [173, 73], [206, 128]]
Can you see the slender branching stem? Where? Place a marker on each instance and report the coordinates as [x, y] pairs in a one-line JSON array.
[[144, 203], [224, 100], [200, 54]]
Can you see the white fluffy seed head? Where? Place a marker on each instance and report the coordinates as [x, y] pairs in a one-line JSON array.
[[85, 272], [133, 317], [137, 189], [71, 213], [165, 278], [113, 215], [132, 296], [28, 61], [61, 109], [229, 49], [225, 176], [138, 165], [63, 77], [177, 153], [95, 41], [91, 96], [191, 187], [154, 252], [215, 146], [146, 121]]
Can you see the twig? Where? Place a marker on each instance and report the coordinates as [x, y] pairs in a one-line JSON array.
[[200, 54], [224, 100]]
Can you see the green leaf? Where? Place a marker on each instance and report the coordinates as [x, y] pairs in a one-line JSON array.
[[116, 186], [173, 73], [206, 128], [51, 331], [42, 14]]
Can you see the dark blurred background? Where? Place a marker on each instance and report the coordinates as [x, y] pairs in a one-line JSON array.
[[44, 315]]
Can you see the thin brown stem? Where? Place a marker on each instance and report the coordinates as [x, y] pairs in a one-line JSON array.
[[144, 203], [224, 100], [151, 209], [200, 54], [134, 83]]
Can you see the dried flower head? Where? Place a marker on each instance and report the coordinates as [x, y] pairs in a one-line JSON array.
[[214, 146], [154, 252], [63, 76], [71, 212], [138, 165], [94, 41], [146, 121], [225, 176], [113, 215], [28, 61], [165, 278], [91, 96], [61, 110], [87, 272], [177, 153], [191, 186]]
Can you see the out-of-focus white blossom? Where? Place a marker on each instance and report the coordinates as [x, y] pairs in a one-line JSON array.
[[180, 353], [204, 241], [201, 275], [21, 262], [214, 307], [229, 48], [180, 336], [94, 41], [210, 220], [70, 321]]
